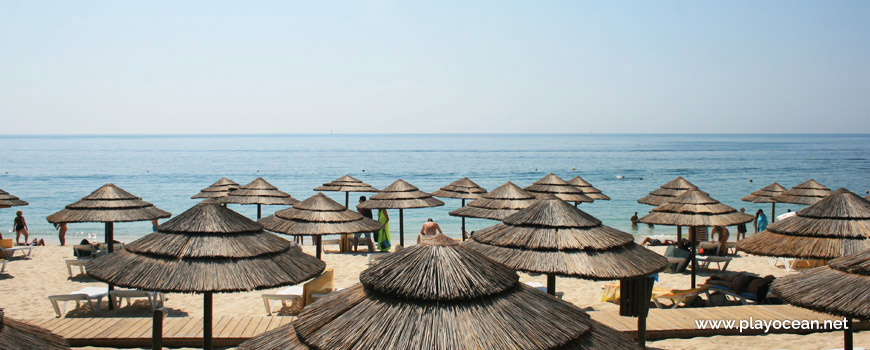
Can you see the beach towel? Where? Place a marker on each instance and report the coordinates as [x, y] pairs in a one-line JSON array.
[[762, 222], [384, 233]]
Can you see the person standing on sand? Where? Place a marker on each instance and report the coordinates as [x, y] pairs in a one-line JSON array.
[[20, 226], [366, 213], [741, 228], [429, 229], [61, 232], [760, 221]]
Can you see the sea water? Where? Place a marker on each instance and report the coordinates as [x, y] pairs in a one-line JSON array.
[[53, 171]]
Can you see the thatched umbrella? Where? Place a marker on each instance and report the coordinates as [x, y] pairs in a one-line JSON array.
[[588, 189], [806, 193], [554, 185], [557, 239], [498, 204], [207, 249], [259, 192], [666, 192], [11, 200], [463, 189], [108, 204], [346, 184], [695, 208], [17, 335], [833, 227], [765, 195], [439, 295], [401, 195], [218, 189], [841, 288], [318, 216]]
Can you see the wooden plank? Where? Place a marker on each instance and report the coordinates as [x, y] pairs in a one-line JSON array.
[[229, 325], [112, 328], [174, 325], [51, 324], [95, 328], [242, 326], [248, 332], [133, 329], [123, 330], [218, 325], [264, 324], [68, 328], [191, 330]]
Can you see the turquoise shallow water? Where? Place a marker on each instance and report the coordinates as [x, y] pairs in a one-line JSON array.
[[52, 171]]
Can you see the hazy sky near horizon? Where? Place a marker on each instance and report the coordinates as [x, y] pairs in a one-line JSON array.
[[182, 67]]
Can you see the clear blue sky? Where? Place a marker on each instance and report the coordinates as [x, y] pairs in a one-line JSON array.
[[108, 67]]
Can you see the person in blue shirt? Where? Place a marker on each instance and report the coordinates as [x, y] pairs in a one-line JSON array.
[[760, 221]]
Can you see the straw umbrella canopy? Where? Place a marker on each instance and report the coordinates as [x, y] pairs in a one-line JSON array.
[[440, 295], [668, 191], [502, 202], [806, 193], [841, 288], [765, 195], [346, 184], [11, 200], [695, 208], [557, 239], [554, 185], [218, 189], [318, 216], [17, 335], [259, 192], [833, 227], [401, 195], [588, 189], [207, 249], [462, 189], [108, 204]]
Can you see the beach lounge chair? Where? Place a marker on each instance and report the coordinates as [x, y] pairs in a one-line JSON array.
[[76, 262], [543, 288], [8, 249], [84, 251], [89, 295], [677, 297], [3, 266], [115, 247], [300, 296], [750, 288], [705, 261], [678, 259], [118, 295]]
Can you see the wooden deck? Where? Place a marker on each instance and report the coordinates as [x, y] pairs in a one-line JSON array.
[[177, 331], [680, 323]]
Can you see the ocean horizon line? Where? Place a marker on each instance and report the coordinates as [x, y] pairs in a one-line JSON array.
[[194, 135]]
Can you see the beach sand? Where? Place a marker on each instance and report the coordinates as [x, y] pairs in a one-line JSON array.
[[29, 282]]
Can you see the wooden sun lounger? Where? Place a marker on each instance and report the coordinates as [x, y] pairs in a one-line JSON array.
[[118, 295], [89, 294]]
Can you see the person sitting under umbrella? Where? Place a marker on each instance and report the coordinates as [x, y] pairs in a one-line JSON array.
[[429, 229]]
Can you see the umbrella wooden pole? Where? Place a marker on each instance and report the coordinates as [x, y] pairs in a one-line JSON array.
[[110, 237], [773, 212], [463, 222], [679, 233], [347, 200], [401, 228], [694, 237], [551, 284], [847, 335], [206, 321], [641, 331], [319, 245], [259, 210]]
